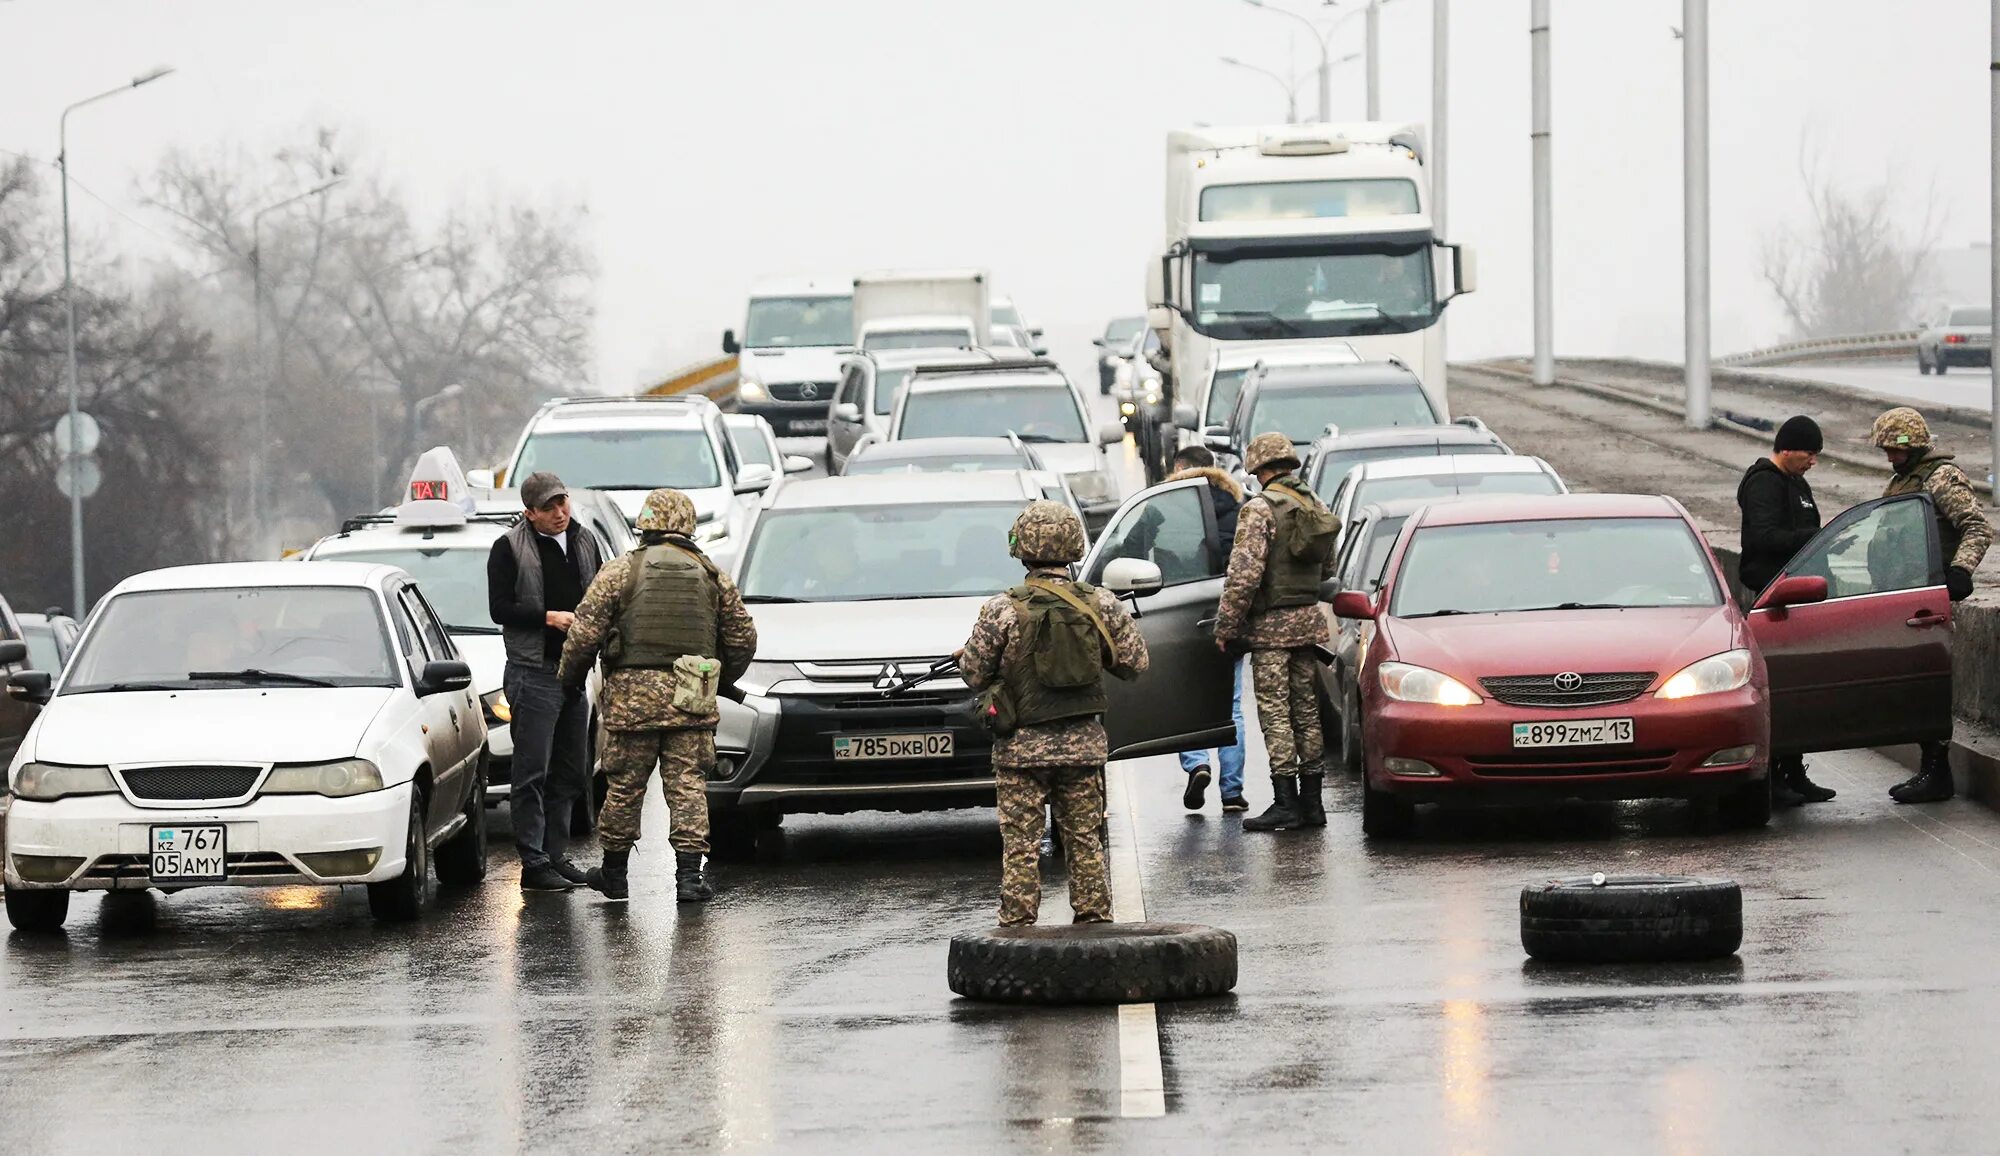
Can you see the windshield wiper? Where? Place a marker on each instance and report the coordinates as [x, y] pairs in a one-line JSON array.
[[1040, 439], [257, 674], [1264, 315], [1573, 606], [770, 598], [115, 686], [451, 629], [1437, 613], [623, 486]]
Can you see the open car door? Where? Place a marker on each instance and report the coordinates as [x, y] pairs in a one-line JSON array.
[[1871, 665], [1181, 703]]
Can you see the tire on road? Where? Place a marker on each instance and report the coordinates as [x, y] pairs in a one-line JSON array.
[[1631, 918], [1749, 806], [461, 859], [401, 899], [37, 910], [1385, 815], [1086, 963]]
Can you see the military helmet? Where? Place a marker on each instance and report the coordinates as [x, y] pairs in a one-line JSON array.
[[667, 512], [1900, 428], [1046, 532], [1270, 449]]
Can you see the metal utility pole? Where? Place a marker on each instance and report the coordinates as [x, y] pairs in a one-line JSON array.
[[1374, 25], [1545, 324], [1291, 87], [257, 468], [1694, 94], [1440, 105], [78, 607], [1993, 239], [1325, 58]]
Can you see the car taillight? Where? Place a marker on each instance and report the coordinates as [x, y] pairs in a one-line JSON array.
[[1954, 339]]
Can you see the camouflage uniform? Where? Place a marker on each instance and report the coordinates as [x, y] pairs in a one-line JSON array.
[[643, 725], [1059, 764]]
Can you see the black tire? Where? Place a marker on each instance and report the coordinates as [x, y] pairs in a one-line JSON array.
[[1938, 367], [1748, 807], [1923, 367], [401, 899], [461, 859], [1350, 738], [37, 910], [1383, 815], [584, 810], [1631, 918], [1085, 963], [732, 834]]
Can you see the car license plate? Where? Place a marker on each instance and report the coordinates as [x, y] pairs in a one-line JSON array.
[[850, 748], [1583, 732], [189, 853], [806, 425]]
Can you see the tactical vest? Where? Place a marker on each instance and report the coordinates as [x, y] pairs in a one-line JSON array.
[[1067, 646], [1917, 481], [1304, 530], [670, 610]]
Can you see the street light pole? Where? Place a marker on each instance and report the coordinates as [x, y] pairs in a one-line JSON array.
[[1325, 58], [1993, 238], [1694, 197], [1374, 26], [77, 605], [1545, 325], [1291, 87], [1440, 106], [257, 467]]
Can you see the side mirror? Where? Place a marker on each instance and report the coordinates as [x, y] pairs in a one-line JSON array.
[[1111, 433], [1216, 438], [479, 479], [1353, 604], [847, 411], [797, 463], [1793, 590], [729, 342], [12, 652], [1098, 342], [1039, 349], [30, 686], [1464, 270], [755, 479], [1133, 576], [1185, 417], [443, 677]]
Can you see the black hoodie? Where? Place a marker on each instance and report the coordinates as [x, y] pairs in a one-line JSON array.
[[1778, 517]]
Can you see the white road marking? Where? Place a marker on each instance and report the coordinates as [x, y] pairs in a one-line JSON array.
[[1142, 1085]]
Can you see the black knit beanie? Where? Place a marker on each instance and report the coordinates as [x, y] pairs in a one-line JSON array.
[[1799, 433]]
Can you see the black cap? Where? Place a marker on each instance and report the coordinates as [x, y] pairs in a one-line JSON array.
[[1798, 433]]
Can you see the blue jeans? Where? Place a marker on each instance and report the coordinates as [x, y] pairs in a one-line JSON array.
[[1230, 757]]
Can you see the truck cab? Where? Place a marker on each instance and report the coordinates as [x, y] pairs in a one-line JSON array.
[[788, 357]]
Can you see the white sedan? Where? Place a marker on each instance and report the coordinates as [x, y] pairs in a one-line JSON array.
[[250, 724]]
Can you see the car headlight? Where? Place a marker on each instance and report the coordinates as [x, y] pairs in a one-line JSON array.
[[1153, 394], [334, 780], [762, 676], [47, 782], [498, 709], [1127, 408], [1406, 683], [1729, 670], [750, 389], [1091, 485]]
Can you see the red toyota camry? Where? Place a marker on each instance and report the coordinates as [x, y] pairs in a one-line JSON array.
[[1586, 646]]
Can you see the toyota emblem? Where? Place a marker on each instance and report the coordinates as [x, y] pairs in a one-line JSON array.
[[1568, 680], [809, 390]]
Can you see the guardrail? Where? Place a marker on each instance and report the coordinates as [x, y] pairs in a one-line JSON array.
[[715, 379], [1902, 343]]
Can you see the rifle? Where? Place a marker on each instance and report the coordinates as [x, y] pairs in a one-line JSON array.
[[943, 666]]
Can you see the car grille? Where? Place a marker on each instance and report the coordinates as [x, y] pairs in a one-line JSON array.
[[822, 391], [1591, 689], [187, 784], [237, 865], [1554, 763], [847, 702]]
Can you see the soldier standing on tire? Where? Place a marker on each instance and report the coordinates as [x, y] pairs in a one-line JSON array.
[[673, 632], [1920, 467], [1270, 603], [1040, 652]]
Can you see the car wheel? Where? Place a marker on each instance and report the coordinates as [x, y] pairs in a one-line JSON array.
[[1087, 963], [401, 899], [583, 812], [461, 859], [1937, 366], [732, 834], [1383, 815], [1749, 806], [37, 910], [1350, 738], [1923, 367], [1631, 918]]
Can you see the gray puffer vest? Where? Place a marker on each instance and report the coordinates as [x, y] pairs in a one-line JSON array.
[[524, 643]]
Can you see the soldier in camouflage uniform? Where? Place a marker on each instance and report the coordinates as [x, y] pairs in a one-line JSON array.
[[1043, 647], [1920, 467], [674, 633], [1270, 604]]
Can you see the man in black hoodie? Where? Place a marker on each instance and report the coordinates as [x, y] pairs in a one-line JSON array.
[[1779, 517]]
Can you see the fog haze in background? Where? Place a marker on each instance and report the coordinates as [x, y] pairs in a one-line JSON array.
[[720, 143]]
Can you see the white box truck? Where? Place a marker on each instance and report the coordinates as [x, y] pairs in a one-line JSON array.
[[946, 309], [1293, 236]]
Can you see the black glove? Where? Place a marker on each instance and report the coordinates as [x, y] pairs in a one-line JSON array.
[[1958, 581]]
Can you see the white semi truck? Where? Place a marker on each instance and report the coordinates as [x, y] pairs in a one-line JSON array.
[[1300, 235]]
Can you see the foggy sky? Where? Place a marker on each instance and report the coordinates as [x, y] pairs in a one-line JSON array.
[[721, 142]]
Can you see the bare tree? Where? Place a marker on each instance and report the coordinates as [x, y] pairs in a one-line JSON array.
[[1857, 266]]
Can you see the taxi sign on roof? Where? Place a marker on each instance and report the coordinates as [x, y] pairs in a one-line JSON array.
[[438, 494]]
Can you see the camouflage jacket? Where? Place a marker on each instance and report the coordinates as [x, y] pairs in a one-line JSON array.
[[1958, 512], [637, 700], [996, 642], [1283, 629]]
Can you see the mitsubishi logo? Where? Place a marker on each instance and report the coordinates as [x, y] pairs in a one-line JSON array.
[[889, 677], [809, 390], [1568, 680]]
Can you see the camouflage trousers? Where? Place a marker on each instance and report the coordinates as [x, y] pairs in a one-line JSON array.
[[1288, 710], [1076, 794], [685, 757]]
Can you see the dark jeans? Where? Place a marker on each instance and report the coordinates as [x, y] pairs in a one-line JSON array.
[[551, 760]]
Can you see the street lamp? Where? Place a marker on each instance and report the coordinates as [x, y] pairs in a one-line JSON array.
[[1291, 87], [456, 390], [257, 466], [1374, 52], [1325, 58], [77, 604]]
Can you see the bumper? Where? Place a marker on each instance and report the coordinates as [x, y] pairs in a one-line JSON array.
[[1472, 751], [790, 418], [777, 754], [1965, 355], [264, 838]]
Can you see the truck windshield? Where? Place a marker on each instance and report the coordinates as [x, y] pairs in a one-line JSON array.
[[1334, 293], [1303, 412], [622, 459], [1290, 200], [787, 322], [1036, 412]]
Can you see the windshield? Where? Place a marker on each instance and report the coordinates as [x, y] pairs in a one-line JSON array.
[[913, 551], [453, 581], [918, 339], [1971, 316], [623, 459], [1004, 313], [42, 651], [1553, 564], [1332, 465], [1122, 330], [1304, 414], [956, 465], [1381, 537], [1034, 411], [751, 447], [155, 639], [889, 387], [1325, 294], [1295, 200], [1449, 485], [786, 322]]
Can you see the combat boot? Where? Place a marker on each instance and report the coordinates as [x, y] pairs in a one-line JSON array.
[[1796, 781], [689, 885], [611, 880], [1933, 783], [1283, 813], [1312, 806]]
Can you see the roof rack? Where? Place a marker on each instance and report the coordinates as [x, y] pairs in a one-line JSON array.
[[627, 398], [363, 521], [987, 367]]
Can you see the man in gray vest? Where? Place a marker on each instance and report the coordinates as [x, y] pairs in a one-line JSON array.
[[535, 576]]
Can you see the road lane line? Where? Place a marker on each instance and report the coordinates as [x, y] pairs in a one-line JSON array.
[[1142, 1087]]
